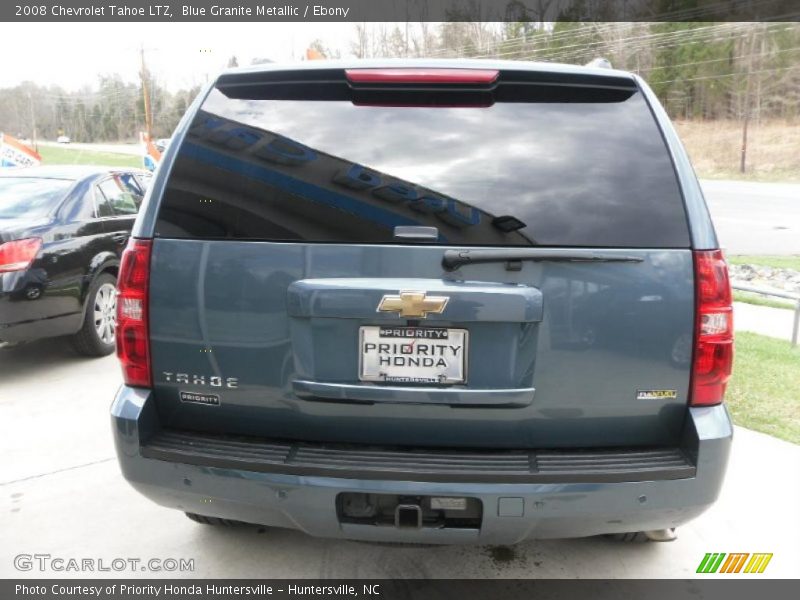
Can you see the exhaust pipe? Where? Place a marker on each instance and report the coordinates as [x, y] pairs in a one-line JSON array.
[[662, 535]]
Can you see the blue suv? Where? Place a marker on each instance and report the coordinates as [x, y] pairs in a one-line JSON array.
[[426, 301]]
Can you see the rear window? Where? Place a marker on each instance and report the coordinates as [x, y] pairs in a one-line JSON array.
[[26, 197], [561, 170]]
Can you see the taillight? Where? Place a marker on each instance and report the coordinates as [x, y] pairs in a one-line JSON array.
[[19, 254], [713, 347], [133, 342], [422, 76]]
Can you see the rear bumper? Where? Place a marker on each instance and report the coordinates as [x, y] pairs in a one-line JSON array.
[[559, 505]]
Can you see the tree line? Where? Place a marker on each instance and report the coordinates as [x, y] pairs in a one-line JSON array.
[[699, 70], [112, 112]]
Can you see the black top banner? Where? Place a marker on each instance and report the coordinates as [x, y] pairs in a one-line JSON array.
[[399, 10]]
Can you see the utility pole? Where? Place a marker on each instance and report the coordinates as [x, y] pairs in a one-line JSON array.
[[33, 121], [148, 116], [748, 91]]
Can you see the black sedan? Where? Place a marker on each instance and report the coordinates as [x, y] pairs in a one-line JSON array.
[[62, 231]]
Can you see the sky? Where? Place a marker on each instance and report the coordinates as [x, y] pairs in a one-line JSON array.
[[179, 55]]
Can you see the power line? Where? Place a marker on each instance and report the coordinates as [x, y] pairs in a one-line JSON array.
[[594, 29], [726, 58], [582, 45], [652, 41], [739, 74]]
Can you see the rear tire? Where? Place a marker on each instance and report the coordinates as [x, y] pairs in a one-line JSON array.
[[97, 334], [212, 520]]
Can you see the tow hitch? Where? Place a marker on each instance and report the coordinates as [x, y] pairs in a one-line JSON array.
[[409, 512], [408, 516]]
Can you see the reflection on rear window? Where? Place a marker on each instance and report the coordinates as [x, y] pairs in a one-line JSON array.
[[569, 173], [29, 196]]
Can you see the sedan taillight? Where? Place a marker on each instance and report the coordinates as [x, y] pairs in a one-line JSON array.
[[133, 342], [713, 348], [19, 254]]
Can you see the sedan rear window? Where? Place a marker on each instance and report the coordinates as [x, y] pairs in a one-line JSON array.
[[25, 197], [553, 169]]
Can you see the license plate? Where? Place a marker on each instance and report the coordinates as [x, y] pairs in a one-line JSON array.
[[427, 355]]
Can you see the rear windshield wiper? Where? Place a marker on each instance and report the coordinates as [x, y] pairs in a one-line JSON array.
[[513, 257]]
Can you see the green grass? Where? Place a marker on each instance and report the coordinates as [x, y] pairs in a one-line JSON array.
[[760, 300], [70, 156], [764, 392], [776, 262]]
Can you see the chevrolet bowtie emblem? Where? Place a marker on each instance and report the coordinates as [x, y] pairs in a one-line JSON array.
[[413, 304]]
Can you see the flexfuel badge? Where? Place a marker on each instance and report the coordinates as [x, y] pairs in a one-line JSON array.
[[656, 394]]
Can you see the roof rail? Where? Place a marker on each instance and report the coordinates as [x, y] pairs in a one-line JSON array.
[[599, 63]]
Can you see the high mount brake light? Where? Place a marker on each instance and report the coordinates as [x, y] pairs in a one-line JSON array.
[[713, 343], [423, 76], [133, 341], [19, 254]]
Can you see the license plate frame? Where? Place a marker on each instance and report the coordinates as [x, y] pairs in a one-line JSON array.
[[437, 342]]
